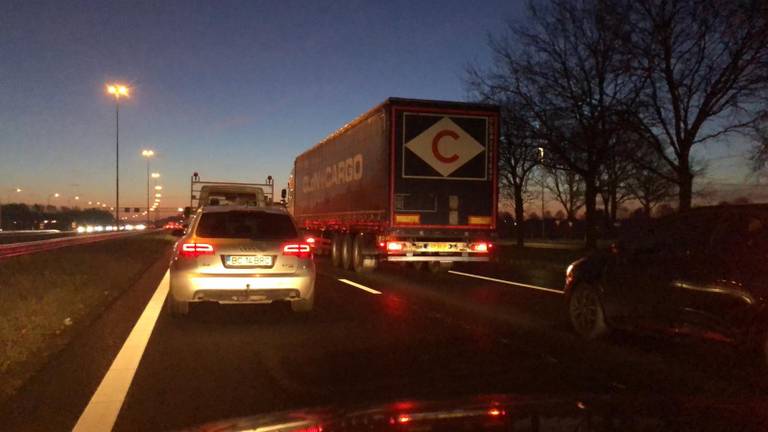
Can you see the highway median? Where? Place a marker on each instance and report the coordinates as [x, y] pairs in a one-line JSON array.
[[48, 297]]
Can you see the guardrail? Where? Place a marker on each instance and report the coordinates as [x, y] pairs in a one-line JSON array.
[[16, 249]]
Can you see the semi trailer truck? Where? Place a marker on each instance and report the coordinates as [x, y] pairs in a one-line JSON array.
[[410, 181]]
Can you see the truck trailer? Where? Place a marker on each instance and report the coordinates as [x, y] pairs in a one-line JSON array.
[[408, 181]]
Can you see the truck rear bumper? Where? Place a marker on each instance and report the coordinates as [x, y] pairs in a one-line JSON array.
[[422, 258]]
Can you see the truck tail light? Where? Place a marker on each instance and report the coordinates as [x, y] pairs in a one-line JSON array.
[[192, 250], [395, 246], [301, 250], [480, 247]]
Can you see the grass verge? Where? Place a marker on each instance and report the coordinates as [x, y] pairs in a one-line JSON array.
[[45, 297], [550, 259]]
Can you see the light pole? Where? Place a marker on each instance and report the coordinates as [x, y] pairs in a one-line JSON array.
[[17, 190], [117, 90], [148, 154], [541, 159], [48, 201]]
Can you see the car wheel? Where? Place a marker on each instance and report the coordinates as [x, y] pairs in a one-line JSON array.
[[336, 250], [176, 308], [586, 312], [436, 267], [303, 305], [346, 252]]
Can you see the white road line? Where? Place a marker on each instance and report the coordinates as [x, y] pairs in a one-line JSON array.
[[534, 287], [105, 404], [362, 287]]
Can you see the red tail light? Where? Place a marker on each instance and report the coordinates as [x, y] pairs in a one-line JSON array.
[[191, 250], [394, 246], [301, 250], [480, 247], [310, 241]]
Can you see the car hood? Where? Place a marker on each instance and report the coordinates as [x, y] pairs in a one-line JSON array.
[[510, 412]]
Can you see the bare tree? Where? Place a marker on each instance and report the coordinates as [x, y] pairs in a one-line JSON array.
[[706, 67], [645, 184], [567, 69], [518, 150], [568, 190]]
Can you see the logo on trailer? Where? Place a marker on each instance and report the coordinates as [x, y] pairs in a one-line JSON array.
[[444, 149]]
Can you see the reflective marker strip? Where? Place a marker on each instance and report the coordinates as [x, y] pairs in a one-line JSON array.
[[507, 282], [104, 406], [362, 287]]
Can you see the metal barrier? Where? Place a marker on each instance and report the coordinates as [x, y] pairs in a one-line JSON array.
[[16, 249]]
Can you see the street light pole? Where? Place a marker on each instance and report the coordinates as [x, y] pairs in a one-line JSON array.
[[117, 90], [1, 206], [543, 225], [148, 154]]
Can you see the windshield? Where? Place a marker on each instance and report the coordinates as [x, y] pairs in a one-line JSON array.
[[246, 225]]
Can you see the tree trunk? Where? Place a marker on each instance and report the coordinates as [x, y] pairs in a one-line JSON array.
[[519, 216], [685, 190], [590, 204]]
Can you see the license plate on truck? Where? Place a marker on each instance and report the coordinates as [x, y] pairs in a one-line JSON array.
[[248, 260]]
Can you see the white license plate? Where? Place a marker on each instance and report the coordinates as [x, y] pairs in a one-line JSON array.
[[249, 260]]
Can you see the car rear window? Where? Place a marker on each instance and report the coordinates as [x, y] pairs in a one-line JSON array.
[[244, 224]]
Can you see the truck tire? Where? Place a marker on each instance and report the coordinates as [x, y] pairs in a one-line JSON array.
[[336, 250], [346, 252], [436, 267], [418, 265], [361, 263], [174, 307]]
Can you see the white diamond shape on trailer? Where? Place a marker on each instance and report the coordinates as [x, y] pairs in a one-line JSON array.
[[445, 146]]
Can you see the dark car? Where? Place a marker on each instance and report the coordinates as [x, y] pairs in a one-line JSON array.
[[701, 273]]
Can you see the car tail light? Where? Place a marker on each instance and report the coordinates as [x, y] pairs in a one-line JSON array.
[[192, 250], [480, 247], [310, 241], [395, 246], [301, 250]]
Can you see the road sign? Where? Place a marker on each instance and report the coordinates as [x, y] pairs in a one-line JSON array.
[[444, 147]]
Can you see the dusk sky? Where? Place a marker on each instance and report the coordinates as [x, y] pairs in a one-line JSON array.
[[233, 90]]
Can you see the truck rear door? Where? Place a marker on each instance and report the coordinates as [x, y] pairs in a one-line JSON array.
[[443, 168]]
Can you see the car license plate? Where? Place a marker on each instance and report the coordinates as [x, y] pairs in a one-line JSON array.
[[249, 260]]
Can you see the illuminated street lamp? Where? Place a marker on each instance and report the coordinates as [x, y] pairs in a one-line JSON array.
[[148, 154], [54, 195], [157, 195], [158, 187], [118, 91], [16, 190], [155, 175]]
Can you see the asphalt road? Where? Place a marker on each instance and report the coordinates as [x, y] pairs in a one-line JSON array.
[[424, 337]]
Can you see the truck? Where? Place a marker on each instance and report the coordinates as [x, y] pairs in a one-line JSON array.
[[409, 181]]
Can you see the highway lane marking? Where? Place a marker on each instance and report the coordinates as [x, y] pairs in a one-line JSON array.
[[104, 406], [357, 285], [534, 287]]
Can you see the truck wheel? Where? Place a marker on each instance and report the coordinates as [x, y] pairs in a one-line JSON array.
[[336, 250], [439, 267], [346, 252], [418, 265], [361, 263]]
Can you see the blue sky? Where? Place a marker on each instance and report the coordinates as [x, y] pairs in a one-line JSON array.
[[231, 89]]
